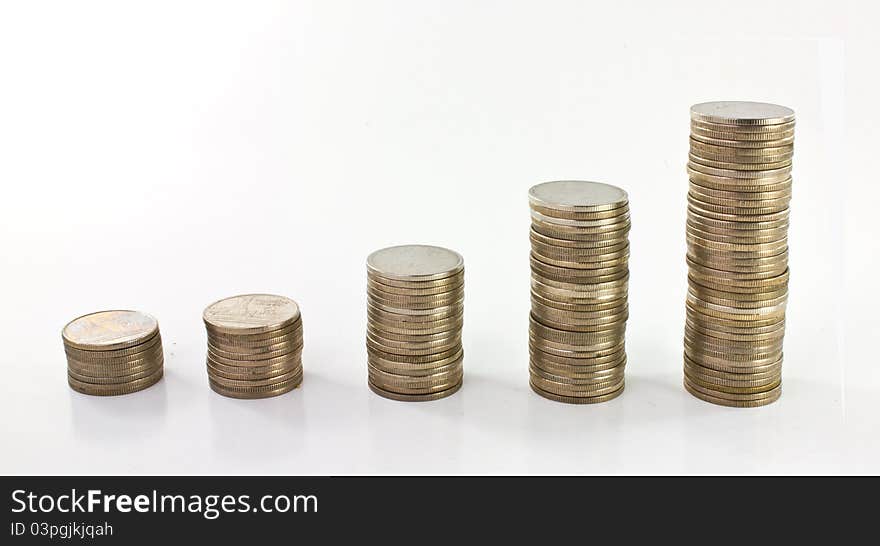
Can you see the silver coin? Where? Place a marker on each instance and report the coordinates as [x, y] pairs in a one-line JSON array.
[[577, 196], [741, 113], [109, 330], [415, 262], [251, 313]]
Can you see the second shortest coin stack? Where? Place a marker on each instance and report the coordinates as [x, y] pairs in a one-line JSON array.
[[415, 311], [255, 345], [580, 272]]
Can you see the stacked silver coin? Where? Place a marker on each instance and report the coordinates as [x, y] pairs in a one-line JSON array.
[[737, 238], [113, 352], [415, 312], [580, 273], [255, 344]]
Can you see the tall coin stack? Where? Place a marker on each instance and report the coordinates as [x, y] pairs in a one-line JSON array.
[[113, 352], [580, 274], [737, 239], [255, 344], [415, 311]]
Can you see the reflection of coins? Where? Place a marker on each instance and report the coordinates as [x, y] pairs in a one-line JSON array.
[[737, 240], [415, 314], [113, 352], [579, 260], [255, 344]]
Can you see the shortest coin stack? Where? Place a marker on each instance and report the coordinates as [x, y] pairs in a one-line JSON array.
[[255, 345], [113, 352], [415, 296]]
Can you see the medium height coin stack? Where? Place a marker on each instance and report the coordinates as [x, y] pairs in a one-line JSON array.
[[737, 239], [415, 311], [113, 352], [255, 344], [579, 259]]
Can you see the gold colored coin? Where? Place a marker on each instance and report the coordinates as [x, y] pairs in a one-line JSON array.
[[582, 216], [250, 314], [383, 289], [576, 399], [267, 338], [227, 382], [252, 371], [554, 242], [575, 372], [267, 391], [109, 330], [115, 389], [753, 403], [447, 283], [415, 368], [133, 352], [414, 397], [736, 396], [115, 380]]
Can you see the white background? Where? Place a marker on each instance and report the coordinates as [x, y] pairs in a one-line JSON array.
[[161, 155]]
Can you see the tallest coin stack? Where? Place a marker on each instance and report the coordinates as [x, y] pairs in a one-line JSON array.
[[737, 240]]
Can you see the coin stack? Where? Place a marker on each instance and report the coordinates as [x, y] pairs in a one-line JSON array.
[[737, 239], [255, 344], [415, 311], [113, 352], [580, 273]]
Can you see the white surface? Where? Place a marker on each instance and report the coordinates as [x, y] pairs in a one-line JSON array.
[[159, 156]]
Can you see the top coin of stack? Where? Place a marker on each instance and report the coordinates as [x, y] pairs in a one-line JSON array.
[[580, 255], [415, 311], [113, 352], [255, 344], [737, 239]]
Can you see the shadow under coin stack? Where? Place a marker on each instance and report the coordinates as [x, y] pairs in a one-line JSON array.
[[415, 311], [113, 352], [255, 344], [737, 239], [580, 256]]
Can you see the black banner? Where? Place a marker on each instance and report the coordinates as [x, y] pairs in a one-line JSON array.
[[134, 510]]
